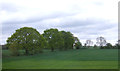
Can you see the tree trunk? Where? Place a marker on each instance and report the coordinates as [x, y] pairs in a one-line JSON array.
[[26, 52]]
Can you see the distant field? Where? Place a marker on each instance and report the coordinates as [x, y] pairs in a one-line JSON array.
[[71, 59]]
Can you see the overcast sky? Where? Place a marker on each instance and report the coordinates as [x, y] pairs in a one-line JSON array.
[[86, 19]]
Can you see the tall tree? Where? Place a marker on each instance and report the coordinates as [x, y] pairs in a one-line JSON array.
[[54, 38], [27, 38], [101, 41], [89, 43], [60, 40], [68, 40]]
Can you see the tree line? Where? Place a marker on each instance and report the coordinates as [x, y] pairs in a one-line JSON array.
[[32, 42], [102, 44]]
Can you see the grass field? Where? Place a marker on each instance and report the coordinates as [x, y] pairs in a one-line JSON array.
[[71, 59]]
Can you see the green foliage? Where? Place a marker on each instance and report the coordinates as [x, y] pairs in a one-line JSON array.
[[68, 40], [95, 46], [58, 39], [14, 49], [78, 45], [28, 39], [102, 47], [54, 38], [108, 46]]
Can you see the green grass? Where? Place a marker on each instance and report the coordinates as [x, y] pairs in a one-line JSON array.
[[7, 53], [71, 59]]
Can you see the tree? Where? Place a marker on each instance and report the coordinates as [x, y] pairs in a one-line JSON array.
[[101, 41], [108, 46], [95, 46], [117, 46], [54, 38], [57, 41], [28, 39], [76, 39], [77, 43], [89, 43], [68, 40], [60, 41]]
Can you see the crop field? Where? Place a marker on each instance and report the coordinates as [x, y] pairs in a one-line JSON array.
[[70, 59]]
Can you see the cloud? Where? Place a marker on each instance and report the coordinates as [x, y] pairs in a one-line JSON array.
[[86, 19], [8, 7], [34, 19]]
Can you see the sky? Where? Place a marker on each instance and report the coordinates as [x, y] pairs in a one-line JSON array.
[[85, 19]]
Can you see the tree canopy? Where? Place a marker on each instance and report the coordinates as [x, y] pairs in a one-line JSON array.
[[27, 38], [53, 38], [61, 40], [108, 46], [101, 41], [89, 43], [68, 40]]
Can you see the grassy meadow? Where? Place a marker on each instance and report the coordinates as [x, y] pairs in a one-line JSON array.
[[71, 59]]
